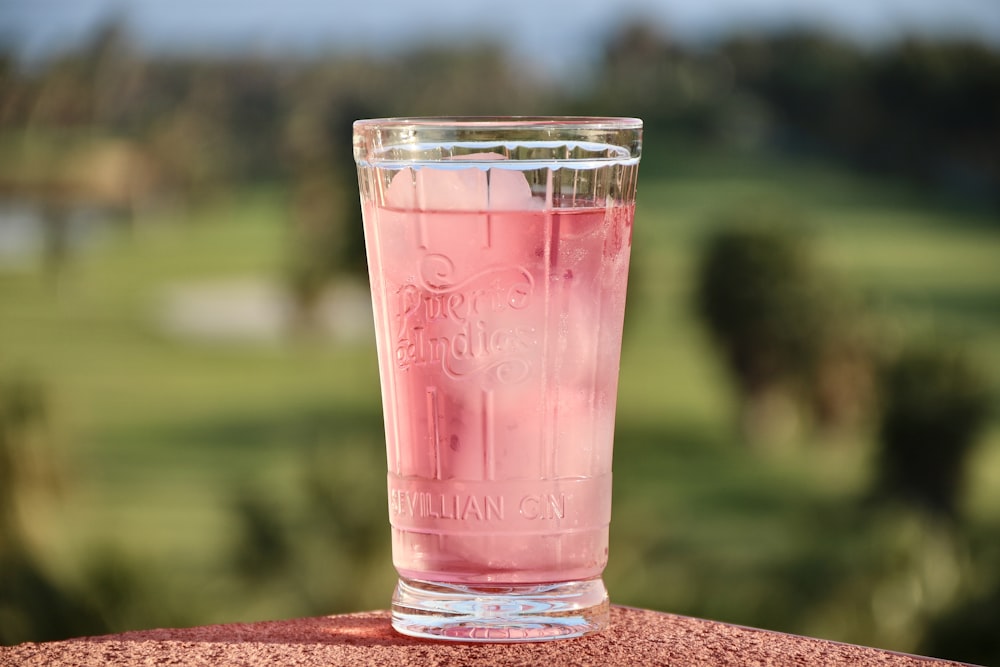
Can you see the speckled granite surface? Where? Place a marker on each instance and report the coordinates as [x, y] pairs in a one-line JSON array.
[[636, 637]]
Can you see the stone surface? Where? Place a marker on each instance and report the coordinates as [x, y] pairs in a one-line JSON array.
[[636, 637]]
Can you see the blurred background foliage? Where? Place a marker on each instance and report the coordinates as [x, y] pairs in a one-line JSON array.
[[808, 441]]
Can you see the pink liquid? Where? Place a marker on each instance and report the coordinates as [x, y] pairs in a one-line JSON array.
[[499, 337]]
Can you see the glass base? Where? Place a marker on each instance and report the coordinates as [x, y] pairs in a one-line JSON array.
[[512, 613]]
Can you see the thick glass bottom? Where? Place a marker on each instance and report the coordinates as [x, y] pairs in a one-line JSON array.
[[515, 613]]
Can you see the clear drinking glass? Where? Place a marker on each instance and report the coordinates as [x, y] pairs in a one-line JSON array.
[[498, 252]]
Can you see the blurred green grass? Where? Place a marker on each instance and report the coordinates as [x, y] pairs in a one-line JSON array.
[[160, 436]]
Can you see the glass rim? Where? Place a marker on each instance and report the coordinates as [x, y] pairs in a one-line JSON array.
[[502, 122], [400, 142]]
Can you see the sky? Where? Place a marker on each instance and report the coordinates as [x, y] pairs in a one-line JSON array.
[[555, 33]]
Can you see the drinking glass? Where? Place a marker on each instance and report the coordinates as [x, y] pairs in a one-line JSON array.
[[498, 252]]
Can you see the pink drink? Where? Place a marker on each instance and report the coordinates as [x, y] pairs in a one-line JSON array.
[[505, 331], [498, 251]]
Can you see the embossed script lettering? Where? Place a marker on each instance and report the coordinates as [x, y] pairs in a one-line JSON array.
[[460, 324]]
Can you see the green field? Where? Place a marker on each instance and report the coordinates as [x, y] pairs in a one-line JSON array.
[[164, 442]]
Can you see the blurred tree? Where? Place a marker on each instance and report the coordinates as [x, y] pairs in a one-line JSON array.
[[925, 109], [808, 79], [934, 404], [13, 93], [939, 104], [471, 79], [779, 322], [327, 235], [33, 605], [755, 290], [644, 73]]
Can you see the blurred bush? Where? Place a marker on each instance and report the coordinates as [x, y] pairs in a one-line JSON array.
[[935, 403], [325, 547]]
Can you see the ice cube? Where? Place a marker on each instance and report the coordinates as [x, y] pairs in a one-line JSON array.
[[460, 189], [509, 191]]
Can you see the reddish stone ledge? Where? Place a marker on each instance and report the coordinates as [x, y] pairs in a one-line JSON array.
[[636, 637]]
